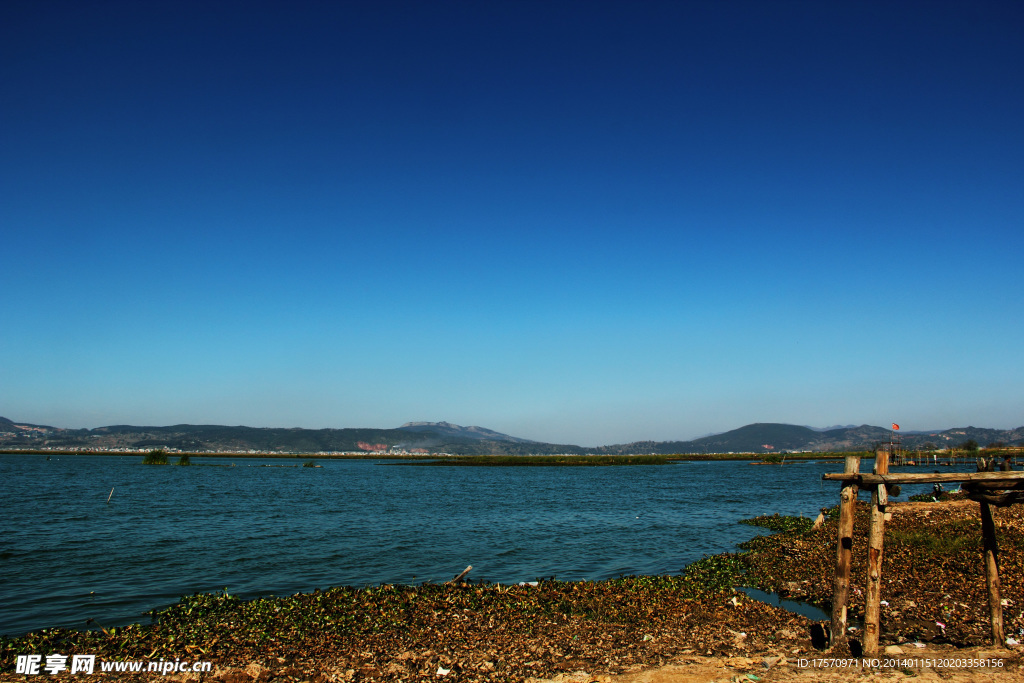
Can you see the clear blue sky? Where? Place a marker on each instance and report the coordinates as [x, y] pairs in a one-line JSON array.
[[578, 222]]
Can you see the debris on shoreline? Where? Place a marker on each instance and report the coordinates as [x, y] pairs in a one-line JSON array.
[[478, 632], [933, 579]]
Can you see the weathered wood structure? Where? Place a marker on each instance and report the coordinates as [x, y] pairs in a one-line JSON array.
[[987, 488]]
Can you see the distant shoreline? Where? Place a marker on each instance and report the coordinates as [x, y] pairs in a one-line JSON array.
[[441, 460]]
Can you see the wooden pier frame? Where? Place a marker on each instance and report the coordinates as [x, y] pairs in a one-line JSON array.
[[876, 538], [986, 488], [844, 552], [995, 603]]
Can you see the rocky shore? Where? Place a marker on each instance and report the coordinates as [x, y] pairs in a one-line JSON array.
[[676, 628]]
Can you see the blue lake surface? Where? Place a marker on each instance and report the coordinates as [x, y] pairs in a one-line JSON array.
[[66, 555]]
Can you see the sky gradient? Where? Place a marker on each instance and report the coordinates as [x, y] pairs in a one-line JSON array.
[[575, 222]]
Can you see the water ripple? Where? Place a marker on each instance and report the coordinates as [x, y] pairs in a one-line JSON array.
[[67, 555]]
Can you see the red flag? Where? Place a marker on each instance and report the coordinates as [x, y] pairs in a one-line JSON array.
[[895, 426]]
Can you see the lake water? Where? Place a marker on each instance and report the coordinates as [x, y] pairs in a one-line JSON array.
[[67, 555]]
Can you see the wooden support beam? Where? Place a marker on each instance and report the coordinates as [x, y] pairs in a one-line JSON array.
[[865, 480], [876, 537], [997, 499], [994, 485], [995, 603], [844, 554]]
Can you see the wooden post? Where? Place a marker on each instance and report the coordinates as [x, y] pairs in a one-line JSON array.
[[459, 577], [844, 552], [876, 536], [995, 603]]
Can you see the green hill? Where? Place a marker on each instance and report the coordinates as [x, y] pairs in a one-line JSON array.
[[443, 437]]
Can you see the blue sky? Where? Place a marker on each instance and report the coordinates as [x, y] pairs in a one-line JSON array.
[[576, 222]]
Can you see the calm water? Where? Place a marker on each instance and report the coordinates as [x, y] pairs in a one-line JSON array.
[[67, 555]]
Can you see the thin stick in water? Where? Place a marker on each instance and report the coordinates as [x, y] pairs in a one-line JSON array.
[[464, 572], [93, 621], [111, 494]]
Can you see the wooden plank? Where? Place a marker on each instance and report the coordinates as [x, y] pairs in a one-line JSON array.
[[873, 585], [865, 480], [844, 554], [995, 603]]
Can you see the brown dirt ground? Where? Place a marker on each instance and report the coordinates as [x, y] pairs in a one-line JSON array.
[[771, 669], [774, 667]]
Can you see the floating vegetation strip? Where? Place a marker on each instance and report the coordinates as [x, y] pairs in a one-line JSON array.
[[546, 460]]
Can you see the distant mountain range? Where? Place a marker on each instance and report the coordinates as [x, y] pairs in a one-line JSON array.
[[444, 437], [459, 433]]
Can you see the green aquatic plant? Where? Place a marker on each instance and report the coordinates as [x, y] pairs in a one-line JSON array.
[[941, 539], [157, 457], [184, 460], [935, 544], [783, 523], [831, 513], [713, 573], [936, 497]]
